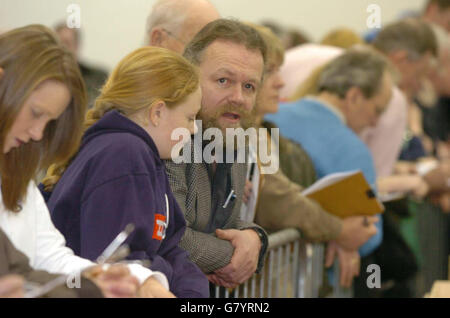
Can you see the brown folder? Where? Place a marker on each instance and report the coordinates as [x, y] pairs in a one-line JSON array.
[[345, 194]]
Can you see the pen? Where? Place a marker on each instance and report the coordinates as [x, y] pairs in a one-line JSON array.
[[115, 244], [228, 199], [113, 253], [252, 171], [34, 290]]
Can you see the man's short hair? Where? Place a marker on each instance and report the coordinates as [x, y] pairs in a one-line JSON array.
[[169, 14], [357, 67], [228, 30], [413, 35]]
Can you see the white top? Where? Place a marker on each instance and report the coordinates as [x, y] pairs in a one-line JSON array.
[[33, 233], [248, 209]]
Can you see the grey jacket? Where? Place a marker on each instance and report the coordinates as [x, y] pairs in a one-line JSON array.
[[191, 185]]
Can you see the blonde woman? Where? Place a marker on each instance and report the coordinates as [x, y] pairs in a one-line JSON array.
[[117, 176], [42, 103]]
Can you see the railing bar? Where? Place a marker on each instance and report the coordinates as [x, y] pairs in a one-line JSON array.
[[279, 271], [246, 287], [295, 270], [252, 295], [262, 284], [286, 267], [217, 292], [269, 275], [309, 269]]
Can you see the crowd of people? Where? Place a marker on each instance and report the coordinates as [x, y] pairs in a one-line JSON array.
[[84, 155]]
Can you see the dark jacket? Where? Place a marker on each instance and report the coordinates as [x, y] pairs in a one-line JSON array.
[[117, 178], [294, 160], [12, 261]]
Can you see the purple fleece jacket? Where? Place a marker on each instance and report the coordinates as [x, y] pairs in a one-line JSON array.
[[118, 178]]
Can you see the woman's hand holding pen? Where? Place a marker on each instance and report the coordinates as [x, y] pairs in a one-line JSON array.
[[115, 281], [12, 286]]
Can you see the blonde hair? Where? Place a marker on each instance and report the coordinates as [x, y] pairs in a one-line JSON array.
[[30, 56], [342, 37], [310, 85], [144, 77]]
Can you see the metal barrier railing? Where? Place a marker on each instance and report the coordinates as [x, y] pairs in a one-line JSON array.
[[294, 268]]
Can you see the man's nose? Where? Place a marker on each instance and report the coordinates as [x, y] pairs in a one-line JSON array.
[[237, 96], [279, 82]]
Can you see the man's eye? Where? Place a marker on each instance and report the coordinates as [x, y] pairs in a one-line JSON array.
[[250, 87], [222, 80]]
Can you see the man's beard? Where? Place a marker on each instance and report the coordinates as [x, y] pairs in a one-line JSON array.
[[247, 120]]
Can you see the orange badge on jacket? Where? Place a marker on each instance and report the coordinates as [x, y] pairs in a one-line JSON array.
[[159, 227]]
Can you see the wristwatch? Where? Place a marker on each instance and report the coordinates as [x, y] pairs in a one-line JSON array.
[[264, 245]]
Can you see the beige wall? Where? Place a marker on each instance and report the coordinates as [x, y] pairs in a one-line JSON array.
[[112, 28]]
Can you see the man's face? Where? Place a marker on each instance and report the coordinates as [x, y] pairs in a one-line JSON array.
[[439, 16], [443, 19], [365, 112], [440, 74], [269, 95], [230, 76], [413, 72]]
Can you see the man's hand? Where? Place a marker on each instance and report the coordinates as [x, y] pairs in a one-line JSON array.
[[442, 200], [114, 282], [419, 187], [355, 233], [216, 280], [152, 288], [244, 260], [12, 286], [349, 263]]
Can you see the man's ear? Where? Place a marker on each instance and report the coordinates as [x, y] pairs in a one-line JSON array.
[[156, 37], [156, 112], [2, 71], [398, 57], [353, 96]]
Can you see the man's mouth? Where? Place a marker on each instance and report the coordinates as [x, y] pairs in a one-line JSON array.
[[232, 117]]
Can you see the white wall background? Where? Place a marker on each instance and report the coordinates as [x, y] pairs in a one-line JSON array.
[[113, 28]]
